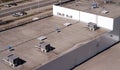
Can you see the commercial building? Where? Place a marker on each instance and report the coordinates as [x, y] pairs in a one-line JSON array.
[[73, 44], [104, 16]]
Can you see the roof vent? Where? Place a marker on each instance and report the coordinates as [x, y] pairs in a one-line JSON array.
[[105, 11]]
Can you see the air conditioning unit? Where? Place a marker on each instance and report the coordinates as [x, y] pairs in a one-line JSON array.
[[94, 5], [92, 26]]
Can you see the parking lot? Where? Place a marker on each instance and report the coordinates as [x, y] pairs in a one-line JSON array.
[[24, 39]]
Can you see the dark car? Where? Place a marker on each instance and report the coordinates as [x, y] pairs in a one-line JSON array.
[[7, 5], [2, 22], [12, 4]]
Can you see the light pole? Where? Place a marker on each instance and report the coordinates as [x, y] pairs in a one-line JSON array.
[[38, 4]]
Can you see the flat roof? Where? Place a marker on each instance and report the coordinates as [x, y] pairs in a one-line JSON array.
[[107, 60], [24, 39], [85, 6]]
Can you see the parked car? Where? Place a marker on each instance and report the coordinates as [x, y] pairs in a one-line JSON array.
[[35, 19], [2, 22], [10, 4], [21, 13], [7, 5]]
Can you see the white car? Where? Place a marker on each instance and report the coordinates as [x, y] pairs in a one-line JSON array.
[[22, 13], [35, 18]]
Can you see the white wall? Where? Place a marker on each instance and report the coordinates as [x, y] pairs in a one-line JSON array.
[[102, 21], [105, 22], [88, 17], [68, 13]]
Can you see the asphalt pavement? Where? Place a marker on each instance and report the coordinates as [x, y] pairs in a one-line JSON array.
[[26, 7]]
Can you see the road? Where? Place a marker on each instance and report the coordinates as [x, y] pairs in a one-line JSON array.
[[27, 7]]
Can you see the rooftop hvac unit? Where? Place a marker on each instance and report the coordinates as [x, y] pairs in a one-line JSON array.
[[92, 26], [45, 47], [13, 60], [94, 5]]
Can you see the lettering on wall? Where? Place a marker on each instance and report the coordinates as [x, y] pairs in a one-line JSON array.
[[64, 15]]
